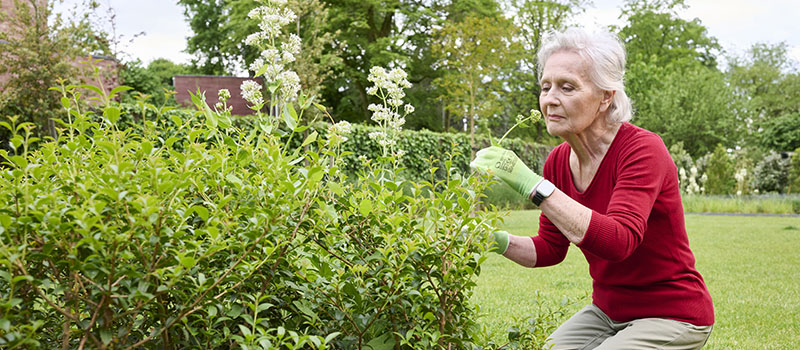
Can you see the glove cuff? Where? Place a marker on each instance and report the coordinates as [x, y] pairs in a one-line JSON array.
[[501, 242]]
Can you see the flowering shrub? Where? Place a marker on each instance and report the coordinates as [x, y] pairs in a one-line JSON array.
[[771, 174], [196, 233], [794, 173]]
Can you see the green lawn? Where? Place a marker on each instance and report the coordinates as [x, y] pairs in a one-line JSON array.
[[751, 266]]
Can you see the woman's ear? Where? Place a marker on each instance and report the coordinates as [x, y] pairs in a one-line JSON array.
[[608, 96]]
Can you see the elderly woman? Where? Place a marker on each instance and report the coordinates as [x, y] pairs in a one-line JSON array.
[[612, 190]]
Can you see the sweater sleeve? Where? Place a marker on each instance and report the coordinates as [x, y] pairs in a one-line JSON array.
[[551, 245], [640, 174]]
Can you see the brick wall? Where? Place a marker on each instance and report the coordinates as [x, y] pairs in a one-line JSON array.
[[211, 86]]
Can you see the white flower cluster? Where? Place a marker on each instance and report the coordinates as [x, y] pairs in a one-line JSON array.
[[741, 178], [337, 133], [251, 92], [388, 87], [270, 20], [691, 181], [274, 60], [224, 95]]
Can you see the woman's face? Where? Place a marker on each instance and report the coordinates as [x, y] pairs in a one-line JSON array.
[[569, 101]]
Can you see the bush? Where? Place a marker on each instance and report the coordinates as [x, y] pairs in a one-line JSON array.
[[199, 234], [794, 173], [720, 172], [772, 173]]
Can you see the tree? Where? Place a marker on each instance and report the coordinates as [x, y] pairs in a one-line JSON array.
[[693, 105], [207, 18], [36, 55], [474, 53], [653, 29], [720, 172], [534, 18], [221, 29], [767, 79], [672, 78], [154, 79]]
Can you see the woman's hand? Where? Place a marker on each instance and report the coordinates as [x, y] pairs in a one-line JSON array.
[[508, 167]]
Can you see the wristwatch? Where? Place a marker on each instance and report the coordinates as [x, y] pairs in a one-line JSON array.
[[543, 190]]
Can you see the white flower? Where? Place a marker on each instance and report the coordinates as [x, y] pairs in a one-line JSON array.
[[273, 71], [224, 94], [342, 128], [290, 84], [373, 90], [257, 64], [377, 135], [409, 109], [270, 55], [218, 106], [292, 45], [400, 153], [337, 132], [255, 38], [251, 92], [288, 57]]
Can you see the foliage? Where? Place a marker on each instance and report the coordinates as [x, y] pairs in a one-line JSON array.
[[153, 80], [222, 27], [720, 172], [794, 173], [35, 55], [474, 53], [191, 241], [533, 20], [768, 78], [654, 31], [688, 104], [771, 173], [782, 133]]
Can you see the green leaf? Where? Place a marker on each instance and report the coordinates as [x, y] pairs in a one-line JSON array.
[[311, 138], [93, 88], [201, 211], [119, 89], [234, 179], [65, 102], [384, 342], [187, 261], [111, 113], [20, 161], [365, 207], [106, 336], [336, 188], [261, 70], [320, 107], [290, 116]]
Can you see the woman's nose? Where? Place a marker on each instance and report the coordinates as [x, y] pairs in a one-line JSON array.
[[548, 99]]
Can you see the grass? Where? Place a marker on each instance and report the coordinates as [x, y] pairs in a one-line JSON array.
[[750, 265], [771, 204]]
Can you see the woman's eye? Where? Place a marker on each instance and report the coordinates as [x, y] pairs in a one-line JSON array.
[[568, 88]]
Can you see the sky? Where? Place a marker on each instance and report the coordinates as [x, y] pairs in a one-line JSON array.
[[737, 24]]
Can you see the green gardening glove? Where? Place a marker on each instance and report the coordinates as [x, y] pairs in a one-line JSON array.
[[500, 242], [508, 167]]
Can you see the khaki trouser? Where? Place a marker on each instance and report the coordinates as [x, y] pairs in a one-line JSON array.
[[591, 328]]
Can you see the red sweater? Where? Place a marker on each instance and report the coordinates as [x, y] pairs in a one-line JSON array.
[[636, 244]]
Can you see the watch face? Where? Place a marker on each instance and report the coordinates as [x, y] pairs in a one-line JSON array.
[[544, 190]]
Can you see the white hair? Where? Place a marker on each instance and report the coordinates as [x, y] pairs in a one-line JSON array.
[[604, 53]]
